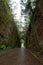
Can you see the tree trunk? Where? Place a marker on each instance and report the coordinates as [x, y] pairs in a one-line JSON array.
[[34, 39]]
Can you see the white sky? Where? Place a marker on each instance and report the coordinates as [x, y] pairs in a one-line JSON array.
[[16, 11], [16, 8]]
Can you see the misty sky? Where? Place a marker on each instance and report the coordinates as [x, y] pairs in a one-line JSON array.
[[18, 11]]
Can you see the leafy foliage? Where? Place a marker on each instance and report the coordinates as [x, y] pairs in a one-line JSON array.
[[8, 27]]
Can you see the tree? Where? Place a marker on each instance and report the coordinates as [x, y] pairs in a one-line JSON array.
[[9, 35], [32, 38]]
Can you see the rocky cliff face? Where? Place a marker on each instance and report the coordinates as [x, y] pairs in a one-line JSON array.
[[8, 30]]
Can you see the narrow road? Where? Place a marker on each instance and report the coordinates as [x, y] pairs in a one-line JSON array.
[[18, 56]]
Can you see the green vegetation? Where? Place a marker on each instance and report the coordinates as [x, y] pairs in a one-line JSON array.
[[9, 34], [4, 47], [32, 42]]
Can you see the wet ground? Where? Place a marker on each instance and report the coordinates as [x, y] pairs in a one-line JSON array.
[[18, 56]]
